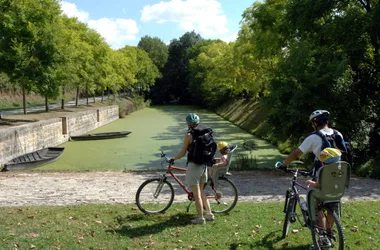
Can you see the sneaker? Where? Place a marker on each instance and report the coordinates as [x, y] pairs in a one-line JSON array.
[[331, 235], [198, 220], [209, 217], [324, 242]]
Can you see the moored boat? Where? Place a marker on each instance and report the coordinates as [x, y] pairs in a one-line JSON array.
[[100, 136], [34, 159]]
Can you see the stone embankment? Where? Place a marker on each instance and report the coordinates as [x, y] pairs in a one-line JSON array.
[[23, 139]]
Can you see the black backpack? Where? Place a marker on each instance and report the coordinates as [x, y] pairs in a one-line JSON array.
[[336, 141], [203, 147]]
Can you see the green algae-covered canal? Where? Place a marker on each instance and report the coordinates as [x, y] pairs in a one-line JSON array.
[[154, 129]]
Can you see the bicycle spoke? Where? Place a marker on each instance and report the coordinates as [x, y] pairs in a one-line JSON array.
[[154, 196], [225, 198]]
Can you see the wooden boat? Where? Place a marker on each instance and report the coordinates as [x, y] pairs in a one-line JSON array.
[[34, 159], [100, 136]]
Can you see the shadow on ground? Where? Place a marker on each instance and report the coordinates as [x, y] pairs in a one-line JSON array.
[[155, 224]]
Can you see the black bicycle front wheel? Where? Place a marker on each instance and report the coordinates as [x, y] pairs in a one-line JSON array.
[[154, 196], [225, 198], [289, 213], [328, 232]]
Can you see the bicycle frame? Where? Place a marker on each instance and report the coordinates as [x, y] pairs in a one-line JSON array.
[[324, 233], [295, 189], [169, 170], [190, 195], [149, 192]]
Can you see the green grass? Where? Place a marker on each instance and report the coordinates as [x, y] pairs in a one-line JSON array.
[[11, 100], [248, 226]]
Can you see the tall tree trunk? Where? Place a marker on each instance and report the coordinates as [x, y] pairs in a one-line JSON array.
[[23, 99], [102, 97], [63, 97], [46, 104], [87, 94], [77, 97]]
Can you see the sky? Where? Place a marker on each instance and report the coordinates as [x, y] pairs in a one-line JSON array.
[[124, 22]]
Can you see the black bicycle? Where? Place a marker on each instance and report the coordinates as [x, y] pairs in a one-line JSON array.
[[327, 230]]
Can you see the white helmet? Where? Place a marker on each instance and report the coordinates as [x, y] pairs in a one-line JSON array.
[[319, 115]]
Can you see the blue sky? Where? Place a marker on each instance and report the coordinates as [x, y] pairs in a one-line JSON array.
[[124, 22]]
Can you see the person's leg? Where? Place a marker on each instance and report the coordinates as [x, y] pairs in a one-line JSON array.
[[197, 199], [198, 204], [329, 221], [193, 176], [206, 204]]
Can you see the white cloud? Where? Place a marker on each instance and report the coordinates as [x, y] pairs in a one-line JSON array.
[[71, 10], [231, 38], [204, 16], [116, 32]]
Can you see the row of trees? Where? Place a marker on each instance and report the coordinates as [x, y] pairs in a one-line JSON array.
[[46, 52], [294, 56]]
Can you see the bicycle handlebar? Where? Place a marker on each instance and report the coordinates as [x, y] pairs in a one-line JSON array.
[[279, 165], [163, 155]]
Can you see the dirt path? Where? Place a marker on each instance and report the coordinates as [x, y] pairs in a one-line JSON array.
[[35, 188]]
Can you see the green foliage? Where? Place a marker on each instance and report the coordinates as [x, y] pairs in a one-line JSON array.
[[370, 168], [29, 49], [174, 85], [245, 162], [156, 49]]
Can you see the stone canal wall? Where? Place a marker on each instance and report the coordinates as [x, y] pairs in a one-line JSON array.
[[19, 140]]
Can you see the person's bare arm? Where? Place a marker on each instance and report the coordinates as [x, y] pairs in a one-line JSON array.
[[223, 162], [186, 143], [292, 156]]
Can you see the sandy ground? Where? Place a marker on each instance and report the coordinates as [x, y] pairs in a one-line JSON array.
[[56, 189]]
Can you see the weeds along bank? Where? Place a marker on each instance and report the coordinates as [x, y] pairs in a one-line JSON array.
[[249, 116]]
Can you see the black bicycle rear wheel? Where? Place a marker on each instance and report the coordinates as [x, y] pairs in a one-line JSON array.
[[289, 213], [331, 236], [154, 196], [225, 198]]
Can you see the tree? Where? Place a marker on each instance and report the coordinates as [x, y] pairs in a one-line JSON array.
[[156, 49], [176, 69], [29, 51], [145, 70]]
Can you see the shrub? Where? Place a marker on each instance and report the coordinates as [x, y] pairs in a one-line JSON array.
[[245, 162], [370, 169]]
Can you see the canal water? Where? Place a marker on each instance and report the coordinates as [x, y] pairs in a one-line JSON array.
[[154, 129]]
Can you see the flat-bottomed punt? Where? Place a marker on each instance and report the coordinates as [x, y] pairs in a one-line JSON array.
[[100, 136], [34, 159]]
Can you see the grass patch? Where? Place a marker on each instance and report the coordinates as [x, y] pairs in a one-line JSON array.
[[13, 100], [248, 226]]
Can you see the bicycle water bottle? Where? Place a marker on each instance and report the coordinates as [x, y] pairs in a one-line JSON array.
[[303, 203]]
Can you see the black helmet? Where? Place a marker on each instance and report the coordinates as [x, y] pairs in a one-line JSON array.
[[318, 115]]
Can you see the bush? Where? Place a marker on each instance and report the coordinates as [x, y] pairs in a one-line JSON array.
[[245, 162], [128, 105], [370, 169]]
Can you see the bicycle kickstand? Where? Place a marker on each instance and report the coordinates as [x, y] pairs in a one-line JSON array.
[[188, 206]]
